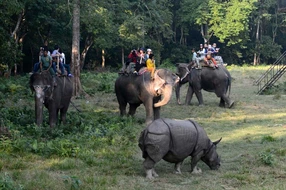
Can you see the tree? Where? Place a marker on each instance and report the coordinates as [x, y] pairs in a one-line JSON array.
[[75, 63]]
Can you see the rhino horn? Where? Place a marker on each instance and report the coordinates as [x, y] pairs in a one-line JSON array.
[[216, 142]]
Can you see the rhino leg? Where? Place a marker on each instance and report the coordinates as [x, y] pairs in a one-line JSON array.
[[149, 167], [149, 174], [178, 168], [195, 160], [197, 170], [154, 173]]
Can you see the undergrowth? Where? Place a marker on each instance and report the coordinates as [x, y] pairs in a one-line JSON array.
[[98, 149]]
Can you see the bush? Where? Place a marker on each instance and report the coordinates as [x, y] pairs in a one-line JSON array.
[[267, 158], [102, 82]]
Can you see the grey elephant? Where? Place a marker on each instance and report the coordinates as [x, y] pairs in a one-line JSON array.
[[136, 90], [175, 140], [217, 80], [55, 98]]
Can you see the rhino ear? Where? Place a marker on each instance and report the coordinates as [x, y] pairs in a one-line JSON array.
[[216, 142]]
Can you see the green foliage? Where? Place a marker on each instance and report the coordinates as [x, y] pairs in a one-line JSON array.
[[73, 181], [269, 49], [103, 82], [168, 64], [7, 183], [229, 20], [276, 90], [267, 138], [267, 158]]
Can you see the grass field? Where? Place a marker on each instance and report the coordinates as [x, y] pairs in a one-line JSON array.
[[97, 149]]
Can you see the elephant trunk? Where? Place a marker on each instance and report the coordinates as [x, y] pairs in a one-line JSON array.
[[167, 94], [39, 98]]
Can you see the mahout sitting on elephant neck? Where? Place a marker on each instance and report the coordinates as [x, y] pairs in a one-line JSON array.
[[174, 141]]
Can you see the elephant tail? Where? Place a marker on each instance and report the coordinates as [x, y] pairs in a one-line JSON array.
[[228, 81], [229, 85]]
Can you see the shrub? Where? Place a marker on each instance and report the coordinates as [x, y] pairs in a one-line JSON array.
[[267, 138], [267, 158], [7, 183]]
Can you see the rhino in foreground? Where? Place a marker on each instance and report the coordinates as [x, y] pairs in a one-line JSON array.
[[175, 140]]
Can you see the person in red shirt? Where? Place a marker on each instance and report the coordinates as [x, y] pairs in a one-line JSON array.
[[210, 61], [132, 57]]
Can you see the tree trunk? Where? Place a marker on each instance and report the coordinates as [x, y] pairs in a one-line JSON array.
[[122, 58], [256, 54], [103, 58], [75, 59], [87, 45], [182, 36]]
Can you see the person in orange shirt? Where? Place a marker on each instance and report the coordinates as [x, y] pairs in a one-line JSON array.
[[150, 63], [210, 61]]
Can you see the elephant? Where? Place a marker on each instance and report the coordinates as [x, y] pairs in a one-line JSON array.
[[137, 89], [174, 141], [55, 98], [217, 80]]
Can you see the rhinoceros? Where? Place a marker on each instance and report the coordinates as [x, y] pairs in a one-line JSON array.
[[175, 140]]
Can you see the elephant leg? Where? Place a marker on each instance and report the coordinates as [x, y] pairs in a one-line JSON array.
[[149, 110], [157, 113], [156, 110], [149, 167], [132, 109], [122, 107], [222, 103], [52, 117], [199, 97], [177, 89], [189, 95], [227, 100], [63, 113]]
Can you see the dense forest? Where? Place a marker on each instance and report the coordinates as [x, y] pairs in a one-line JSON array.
[[247, 31]]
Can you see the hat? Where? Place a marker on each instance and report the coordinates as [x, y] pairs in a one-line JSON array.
[[210, 46], [149, 50]]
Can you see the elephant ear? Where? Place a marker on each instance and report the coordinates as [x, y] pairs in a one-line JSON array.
[[158, 81], [183, 70]]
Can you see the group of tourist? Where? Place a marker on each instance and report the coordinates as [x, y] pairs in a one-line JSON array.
[[52, 62], [138, 59], [208, 53]]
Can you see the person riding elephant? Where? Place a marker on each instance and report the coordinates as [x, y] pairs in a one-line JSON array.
[[135, 90], [211, 80], [209, 61], [54, 98], [46, 65]]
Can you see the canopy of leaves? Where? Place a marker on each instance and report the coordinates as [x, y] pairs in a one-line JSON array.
[[166, 26]]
